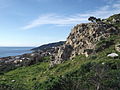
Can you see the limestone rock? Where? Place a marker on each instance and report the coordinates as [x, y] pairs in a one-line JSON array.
[[117, 47], [82, 40], [62, 54]]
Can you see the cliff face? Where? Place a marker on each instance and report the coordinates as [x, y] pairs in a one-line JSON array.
[[83, 39]]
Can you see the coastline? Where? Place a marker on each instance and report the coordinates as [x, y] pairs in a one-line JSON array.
[[14, 51]]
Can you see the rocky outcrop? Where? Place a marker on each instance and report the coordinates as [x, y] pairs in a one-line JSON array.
[[82, 40], [62, 52]]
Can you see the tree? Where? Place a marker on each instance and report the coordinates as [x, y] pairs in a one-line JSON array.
[[92, 19], [98, 20]]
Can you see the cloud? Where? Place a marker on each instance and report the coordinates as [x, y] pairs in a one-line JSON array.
[[61, 20], [55, 20]]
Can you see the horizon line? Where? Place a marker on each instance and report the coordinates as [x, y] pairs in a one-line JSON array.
[[18, 46]]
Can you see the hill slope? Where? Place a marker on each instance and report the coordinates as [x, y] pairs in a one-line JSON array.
[[80, 73], [95, 72], [49, 46]]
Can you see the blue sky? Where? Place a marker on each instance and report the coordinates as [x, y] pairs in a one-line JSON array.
[[37, 22]]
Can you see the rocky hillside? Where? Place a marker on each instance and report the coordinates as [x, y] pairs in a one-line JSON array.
[[84, 37]]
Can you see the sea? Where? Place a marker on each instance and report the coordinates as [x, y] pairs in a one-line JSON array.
[[14, 51]]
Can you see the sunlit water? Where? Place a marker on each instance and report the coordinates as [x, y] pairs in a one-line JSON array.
[[13, 51]]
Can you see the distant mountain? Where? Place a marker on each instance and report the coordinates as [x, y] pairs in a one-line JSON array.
[[48, 46]]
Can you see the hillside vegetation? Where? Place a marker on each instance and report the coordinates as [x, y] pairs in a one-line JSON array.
[[81, 73]]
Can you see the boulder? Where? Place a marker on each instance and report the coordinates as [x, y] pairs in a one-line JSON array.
[[113, 55]]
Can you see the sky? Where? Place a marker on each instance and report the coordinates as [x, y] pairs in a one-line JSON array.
[[37, 22]]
